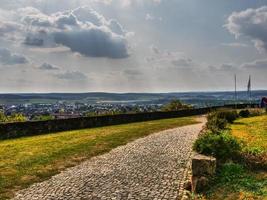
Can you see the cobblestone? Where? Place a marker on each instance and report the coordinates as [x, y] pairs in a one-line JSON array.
[[149, 168]]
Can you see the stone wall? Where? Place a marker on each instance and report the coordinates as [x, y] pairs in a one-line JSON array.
[[20, 129]]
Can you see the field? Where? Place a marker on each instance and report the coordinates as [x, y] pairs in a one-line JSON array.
[[253, 131], [27, 160], [235, 181]]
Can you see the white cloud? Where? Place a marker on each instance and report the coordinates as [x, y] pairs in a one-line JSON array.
[[251, 23], [150, 17], [9, 58]]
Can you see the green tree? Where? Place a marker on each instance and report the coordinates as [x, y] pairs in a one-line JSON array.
[[175, 105], [17, 117], [3, 117]]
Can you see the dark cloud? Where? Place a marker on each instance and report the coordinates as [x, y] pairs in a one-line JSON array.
[[83, 30], [250, 23], [72, 75], [93, 42], [8, 58], [47, 66]]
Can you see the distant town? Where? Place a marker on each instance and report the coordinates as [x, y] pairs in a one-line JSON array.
[[61, 106], [62, 110]]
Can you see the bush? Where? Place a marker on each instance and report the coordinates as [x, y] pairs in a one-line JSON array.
[[216, 124], [244, 113], [223, 146], [230, 116], [218, 120]]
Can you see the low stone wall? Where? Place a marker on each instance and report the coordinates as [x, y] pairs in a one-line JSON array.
[[20, 129]]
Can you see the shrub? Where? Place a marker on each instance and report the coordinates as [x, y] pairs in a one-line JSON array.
[[230, 116], [216, 124], [223, 146], [218, 120], [244, 113]]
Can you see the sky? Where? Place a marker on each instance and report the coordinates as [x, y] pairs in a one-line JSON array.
[[132, 45]]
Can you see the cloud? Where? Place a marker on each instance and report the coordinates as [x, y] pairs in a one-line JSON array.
[[93, 42], [251, 23], [47, 66], [257, 64], [183, 62], [72, 75], [177, 59], [132, 72], [155, 49], [234, 44], [150, 17], [8, 58], [227, 67], [127, 3], [82, 30], [8, 27]]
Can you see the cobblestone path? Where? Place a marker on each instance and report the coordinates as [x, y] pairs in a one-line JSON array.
[[148, 168]]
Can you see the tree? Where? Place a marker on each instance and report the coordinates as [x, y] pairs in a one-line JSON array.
[[175, 105], [17, 117], [3, 117]]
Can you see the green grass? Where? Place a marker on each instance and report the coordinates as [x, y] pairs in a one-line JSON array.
[[234, 182], [27, 160], [253, 131]]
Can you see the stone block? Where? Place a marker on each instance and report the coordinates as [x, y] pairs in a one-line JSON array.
[[203, 165]]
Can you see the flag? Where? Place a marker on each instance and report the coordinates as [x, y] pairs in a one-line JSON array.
[[249, 85]]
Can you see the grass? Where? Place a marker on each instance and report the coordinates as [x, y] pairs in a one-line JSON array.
[[253, 131], [234, 181], [28, 160]]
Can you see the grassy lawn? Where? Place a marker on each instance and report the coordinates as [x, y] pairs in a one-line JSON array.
[[234, 181], [27, 160], [253, 131]]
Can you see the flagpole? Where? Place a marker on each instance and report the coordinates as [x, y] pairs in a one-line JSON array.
[[235, 93], [250, 91]]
